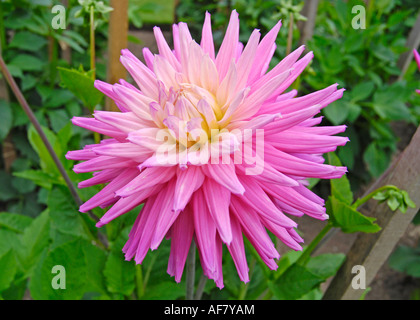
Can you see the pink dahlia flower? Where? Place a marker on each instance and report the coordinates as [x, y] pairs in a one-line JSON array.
[[213, 146], [417, 57]]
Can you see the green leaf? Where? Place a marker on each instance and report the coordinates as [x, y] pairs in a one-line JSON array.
[[47, 163], [39, 177], [340, 188], [6, 119], [64, 214], [406, 259], [8, 270], [376, 160], [15, 222], [326, 265], [81, 85], [119, 274], [362, 91], [294, 283], [26, 62], [348, 219], [28, 41], [69, 255], [337, 111], [168, 290], [33, 241], [95, 259]]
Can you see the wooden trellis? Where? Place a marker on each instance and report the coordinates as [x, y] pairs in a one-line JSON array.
[[117, 40], [372, 250]]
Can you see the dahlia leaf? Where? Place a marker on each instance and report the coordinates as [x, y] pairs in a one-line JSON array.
[[349, 220], [81, 84], [337, 112], [70, 256], [47, 163], [376, 159], [294, 283], [6, 119], [8, 268], [14, 222], [34, 240], [406, 259], [64, 214], [340, 188], [119, 274], [326, 265]]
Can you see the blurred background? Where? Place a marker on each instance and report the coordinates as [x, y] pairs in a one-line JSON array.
[[38, 221]]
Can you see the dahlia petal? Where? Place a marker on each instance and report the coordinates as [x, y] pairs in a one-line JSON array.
[[181, 237], [207, 37], [282, 234], [246, 60], [225, 175], [108, 193], [147, 81], [188, 181], [98, 126], [253, 228], [225, 89], [264, 53], [227, 50], [218, 199], [205, 232], [256, 198], [103, 176], [123, 150], [134, 101], [237, 250], [148, 58], [101, 163], [124, 205], [209, 74], [164, 49], [125, 122], [252, 104], [416, 57], [145, 180]]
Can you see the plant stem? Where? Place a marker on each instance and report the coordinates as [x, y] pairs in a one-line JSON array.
[[290, 35], [92, 42], [3, 42], [361, 201], [139, 281], [200, 287], [34, 121], [244, 286], [25, 106], [190, 273], [304, 258]]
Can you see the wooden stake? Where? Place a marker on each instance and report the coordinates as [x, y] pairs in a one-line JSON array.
[[117, 40], [372, 250]]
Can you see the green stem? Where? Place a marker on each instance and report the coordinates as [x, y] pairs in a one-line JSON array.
[[148, 271], [290, 34], [27, 109], [139, 281], [96, 136], [304, 258], [361, 201], [92, 42], [244, 286], [3, 42], [190, 273]]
